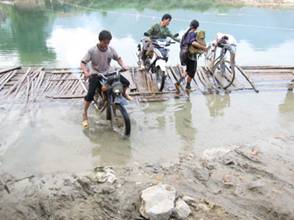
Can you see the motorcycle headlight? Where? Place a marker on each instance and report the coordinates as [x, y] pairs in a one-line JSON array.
[[117, 88]]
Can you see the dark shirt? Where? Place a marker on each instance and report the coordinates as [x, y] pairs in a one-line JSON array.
[[156, 31], [188, 40]]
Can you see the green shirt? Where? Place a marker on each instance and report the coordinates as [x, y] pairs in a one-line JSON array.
[[156, 31]]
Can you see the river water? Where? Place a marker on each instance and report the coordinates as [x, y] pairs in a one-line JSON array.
[[49, 138]]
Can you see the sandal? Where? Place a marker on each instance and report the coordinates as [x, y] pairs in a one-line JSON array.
[[85, 124]]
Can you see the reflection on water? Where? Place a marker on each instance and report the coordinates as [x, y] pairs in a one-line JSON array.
[[288, 105], [217, 103], [25, 34], [114, 149], [60, 34], [184, 124], [286, 109], [51, 138]]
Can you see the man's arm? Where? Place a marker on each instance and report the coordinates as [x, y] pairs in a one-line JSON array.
[[122, 64], [118, 59], [85, 69], [86, 59], [198, 45], [172, 36]]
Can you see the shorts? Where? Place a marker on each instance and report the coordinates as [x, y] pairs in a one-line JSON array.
[[191, 67], [94, 83], [183, 56]]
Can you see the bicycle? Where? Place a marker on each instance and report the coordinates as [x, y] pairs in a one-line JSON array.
[[223, 71]]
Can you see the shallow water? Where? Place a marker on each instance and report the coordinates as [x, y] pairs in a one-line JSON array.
[[49, 138]]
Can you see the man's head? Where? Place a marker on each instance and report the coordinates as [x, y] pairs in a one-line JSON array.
[[104, 39], [165, 20]]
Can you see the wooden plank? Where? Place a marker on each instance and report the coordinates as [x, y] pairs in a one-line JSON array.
[[140, 81], [150, 93], [9, 69], [4, 78], [64, 72], [75, 89], [266, 67], [151, 82], [63, 79], [65, 96], [15, 88], [153, 99], [171, 76], [7, 79], [128, 76]]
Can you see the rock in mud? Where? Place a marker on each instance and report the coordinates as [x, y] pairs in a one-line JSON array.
[[157, 202], [182, 210], [258, 186], [105, 174]]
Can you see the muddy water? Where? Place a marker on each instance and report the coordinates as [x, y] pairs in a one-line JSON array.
[[48, 138]]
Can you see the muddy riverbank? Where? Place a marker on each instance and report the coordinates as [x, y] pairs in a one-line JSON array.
[[235, 182]]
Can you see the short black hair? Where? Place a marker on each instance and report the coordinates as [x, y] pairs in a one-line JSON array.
[[194, 24], [166, 16], [105, 35]]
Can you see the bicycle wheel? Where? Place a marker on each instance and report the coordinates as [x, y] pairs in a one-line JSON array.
[[120, 120], [223, 73], [208, 57], [160, 79]]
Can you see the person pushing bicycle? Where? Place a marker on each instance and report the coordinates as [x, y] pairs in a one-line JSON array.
[[228, 41]]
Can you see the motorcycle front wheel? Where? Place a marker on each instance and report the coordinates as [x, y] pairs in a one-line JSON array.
[[160, 79], [120, 120]]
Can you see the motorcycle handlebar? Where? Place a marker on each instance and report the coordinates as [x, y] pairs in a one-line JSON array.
[[112, 75]]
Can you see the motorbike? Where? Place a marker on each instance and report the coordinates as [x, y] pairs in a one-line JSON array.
[[154, 60], [109, 97]]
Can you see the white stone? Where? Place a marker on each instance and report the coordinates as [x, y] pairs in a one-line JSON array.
[[105, 174], [182, 210], [158, 202]]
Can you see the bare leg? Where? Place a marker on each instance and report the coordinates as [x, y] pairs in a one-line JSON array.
[[125, 94], [86, 107], [189, 79]]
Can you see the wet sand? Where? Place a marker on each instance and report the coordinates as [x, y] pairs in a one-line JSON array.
[[243, 182]]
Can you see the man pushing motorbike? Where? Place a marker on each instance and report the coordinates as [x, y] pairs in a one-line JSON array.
[[157, 31], [99, 58]]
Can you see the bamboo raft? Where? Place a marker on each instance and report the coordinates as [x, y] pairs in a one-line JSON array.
[[28, 85]]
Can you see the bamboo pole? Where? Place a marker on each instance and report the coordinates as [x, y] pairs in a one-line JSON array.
[[9, 77], [74, 88], [66, 87], [3, 77], [9, 69], [28, 90], [246, 77], [15, 88]]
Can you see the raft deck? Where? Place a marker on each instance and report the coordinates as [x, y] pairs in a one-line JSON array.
[[31, 84]]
